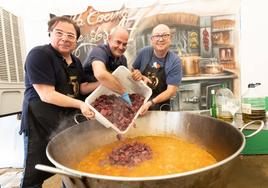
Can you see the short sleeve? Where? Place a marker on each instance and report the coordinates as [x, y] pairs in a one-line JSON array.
[[98, 54], [174, 73], [39, 68]]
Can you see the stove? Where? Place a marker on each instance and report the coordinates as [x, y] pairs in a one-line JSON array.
[[194, 94]]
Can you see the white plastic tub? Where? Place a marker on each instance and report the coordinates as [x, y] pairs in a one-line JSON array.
[[124, 75]]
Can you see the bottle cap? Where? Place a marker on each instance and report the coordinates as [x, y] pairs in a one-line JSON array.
[[251, 85], [257, 84]]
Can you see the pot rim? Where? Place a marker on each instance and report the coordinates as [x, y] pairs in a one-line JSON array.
[[148, 178]]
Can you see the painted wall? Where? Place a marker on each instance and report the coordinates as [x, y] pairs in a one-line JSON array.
[[254, 40], [253, 58]]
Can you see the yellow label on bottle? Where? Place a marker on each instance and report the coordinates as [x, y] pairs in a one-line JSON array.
[[246, 108]]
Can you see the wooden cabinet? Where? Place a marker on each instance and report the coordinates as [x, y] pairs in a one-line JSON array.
[[223, 41]]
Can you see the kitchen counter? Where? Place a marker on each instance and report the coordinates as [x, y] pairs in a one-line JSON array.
[[250, 171], [255, 145], [237, 121], [225, 75]]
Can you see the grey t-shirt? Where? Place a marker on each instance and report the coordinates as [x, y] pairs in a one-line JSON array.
[[173, 70]]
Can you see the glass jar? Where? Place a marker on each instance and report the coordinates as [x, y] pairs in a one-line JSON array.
[[223, 98]]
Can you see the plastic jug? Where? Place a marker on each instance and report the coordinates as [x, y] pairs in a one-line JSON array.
[[253, 104]]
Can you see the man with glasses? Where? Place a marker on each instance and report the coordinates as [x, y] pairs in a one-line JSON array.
[[159, 68], [105, 58], [54, 80]]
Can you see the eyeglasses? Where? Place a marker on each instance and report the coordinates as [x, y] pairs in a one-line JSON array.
[[163, 36], [59, 34], [118, 43]]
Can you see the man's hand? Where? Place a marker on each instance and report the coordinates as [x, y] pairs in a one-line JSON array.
[[145, 107], [146, 80], [86, 110], [136, 74], [126, 98]]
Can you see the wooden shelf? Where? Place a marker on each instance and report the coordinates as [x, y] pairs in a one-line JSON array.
[[222, 30]]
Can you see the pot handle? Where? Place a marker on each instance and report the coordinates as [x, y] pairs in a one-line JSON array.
[[76, 116], [255, 132], [163, 106], [54, 170]]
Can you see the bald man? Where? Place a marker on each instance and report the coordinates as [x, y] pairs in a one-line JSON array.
[[159, 68], [105, 58]]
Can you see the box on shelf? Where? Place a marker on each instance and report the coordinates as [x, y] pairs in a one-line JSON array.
[[132, 86]]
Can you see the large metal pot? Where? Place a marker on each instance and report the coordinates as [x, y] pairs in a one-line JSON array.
[[219, 138], [190, 65]]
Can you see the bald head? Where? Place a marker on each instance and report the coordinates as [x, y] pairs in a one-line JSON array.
[[161, 28], [160, 40]]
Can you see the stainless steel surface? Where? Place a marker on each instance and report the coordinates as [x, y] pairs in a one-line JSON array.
[[197, 95], [223, 141], [194, 91], [56, 171], [248, 172], [187, 97]]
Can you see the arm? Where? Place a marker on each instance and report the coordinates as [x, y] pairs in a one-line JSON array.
[[165, 95], [48, 94], [139, 64], [136, 68], [88, 87], [107, 79]]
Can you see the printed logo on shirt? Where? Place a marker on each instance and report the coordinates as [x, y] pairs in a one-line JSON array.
[[74, 86], [152, 76], [156, 65]]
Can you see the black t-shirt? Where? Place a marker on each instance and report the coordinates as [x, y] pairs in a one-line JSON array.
[[45, 65], [102, 53]]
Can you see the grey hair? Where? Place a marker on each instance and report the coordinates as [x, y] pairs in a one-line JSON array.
[[116, 28]]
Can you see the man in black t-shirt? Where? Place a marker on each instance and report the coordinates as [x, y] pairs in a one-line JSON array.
[[54, 80], [105, 58]]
